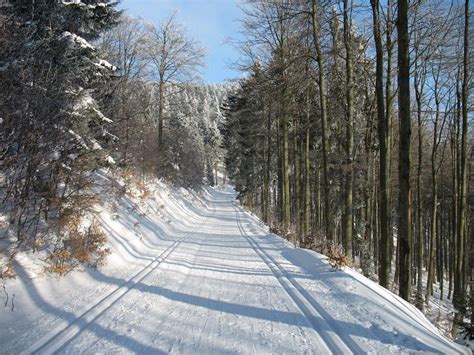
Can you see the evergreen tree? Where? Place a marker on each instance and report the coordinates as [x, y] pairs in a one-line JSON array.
[[52, 126]]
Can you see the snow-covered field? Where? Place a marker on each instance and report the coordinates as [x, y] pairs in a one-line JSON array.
[[196, 274]]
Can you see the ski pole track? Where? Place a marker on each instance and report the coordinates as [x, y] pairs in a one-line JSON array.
[[66, 331], [337, 342]]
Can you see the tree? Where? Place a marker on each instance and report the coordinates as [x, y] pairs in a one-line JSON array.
[[324, 124], [354, 107], [384, 143], [347, 220], [404, 195], [51, 78], [129, 95], [461, 267], [176, 59]]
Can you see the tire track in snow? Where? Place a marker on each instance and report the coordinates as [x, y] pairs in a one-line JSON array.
[[324, 325], [66, 330]]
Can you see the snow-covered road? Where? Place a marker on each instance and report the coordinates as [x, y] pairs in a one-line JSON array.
[[208, 278]]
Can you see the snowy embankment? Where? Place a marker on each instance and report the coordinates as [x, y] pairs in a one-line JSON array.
[[195, 273]]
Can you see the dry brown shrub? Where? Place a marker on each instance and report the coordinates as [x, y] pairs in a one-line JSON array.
[[144, 192], [6, 267], [337, 258], [277, 229], [134, 187], [78, 247], [140, 192], [334, 252]]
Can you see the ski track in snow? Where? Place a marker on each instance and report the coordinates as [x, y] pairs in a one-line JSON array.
[[65, 332], [208, 278], [334, 338]]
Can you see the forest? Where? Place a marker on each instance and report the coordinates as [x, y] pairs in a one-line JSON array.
[[349, 133], [56, 82]]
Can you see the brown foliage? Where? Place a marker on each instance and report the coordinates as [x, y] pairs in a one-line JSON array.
[[335, 253], [79, 247], [6, 269], [337, 258]]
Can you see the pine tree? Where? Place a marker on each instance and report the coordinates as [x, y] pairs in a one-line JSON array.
[[51, 82]]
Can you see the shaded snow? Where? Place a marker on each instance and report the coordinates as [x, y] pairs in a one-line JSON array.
[[195, 273]]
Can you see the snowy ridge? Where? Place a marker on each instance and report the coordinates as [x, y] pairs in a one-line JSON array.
[[195, 273]]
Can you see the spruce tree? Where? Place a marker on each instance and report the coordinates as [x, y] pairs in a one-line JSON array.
[[53, 129]]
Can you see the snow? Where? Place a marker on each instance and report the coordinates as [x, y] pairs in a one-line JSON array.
[[196, 274], [78, 40], [102, 116], [78, 138], [105, 64], [86, 102], [81, 4], [110, 160], [95, 145]]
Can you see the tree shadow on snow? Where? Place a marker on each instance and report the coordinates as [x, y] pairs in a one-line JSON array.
[[322, 273], [72, 320]]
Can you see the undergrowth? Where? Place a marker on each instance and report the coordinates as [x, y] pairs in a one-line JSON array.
[[78, 246]]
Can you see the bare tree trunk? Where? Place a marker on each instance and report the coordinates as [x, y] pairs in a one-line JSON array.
[[307, 174], [404, 197], [459, 284], [454, 186], [285, 169], [383, 213], [347, 216], [324, 124], [279, 201], [419, 84], [297, 180], [434, 192], [440, 254], [318, 198], [388, 132], [267, 201], [161, 106]]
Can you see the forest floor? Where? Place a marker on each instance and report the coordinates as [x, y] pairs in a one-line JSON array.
[[194, 273]]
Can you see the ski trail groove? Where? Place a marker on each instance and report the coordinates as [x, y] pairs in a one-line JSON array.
[[66, 330], [338, 342]]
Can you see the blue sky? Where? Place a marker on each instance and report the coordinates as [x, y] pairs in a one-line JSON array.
[[211, 22]]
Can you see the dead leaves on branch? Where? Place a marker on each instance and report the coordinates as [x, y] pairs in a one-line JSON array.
[[79, 246]]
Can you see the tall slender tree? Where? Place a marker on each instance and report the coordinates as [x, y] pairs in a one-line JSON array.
[[460, 278], [383, 134], [404, 195], [349, 176], [324, 119]]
